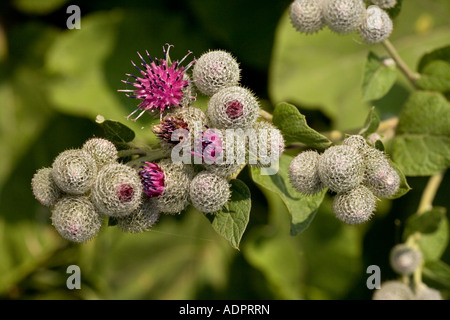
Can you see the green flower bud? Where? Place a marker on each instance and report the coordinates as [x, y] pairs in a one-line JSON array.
[[102, 150], [74, 171], [306, 15], [214, 71], [404, 260], [304, 173], [341, 168], [393, 290], [44, 187], [232, 108], [209, 192], [343, 16], [354, 206], [175, 196], [117, 191], [380, 177], [76, 219], [140, 220], [377, 25]]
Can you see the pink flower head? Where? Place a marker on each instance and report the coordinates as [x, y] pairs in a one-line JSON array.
[[125, 192], [161, 85], [209, 146], [152, 178]]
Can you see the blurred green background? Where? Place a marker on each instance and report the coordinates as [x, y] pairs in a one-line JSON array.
[[55, 81]]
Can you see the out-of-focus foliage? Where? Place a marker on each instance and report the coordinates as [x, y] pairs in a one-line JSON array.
[[55, 81]]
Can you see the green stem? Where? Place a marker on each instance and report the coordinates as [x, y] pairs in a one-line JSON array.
[[426, 201], [131, 152], [402, 66], [265, 115], [150, 156]]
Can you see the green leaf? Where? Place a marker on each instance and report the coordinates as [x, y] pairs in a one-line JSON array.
[[404, 186], [116, 132], [425, 223], [371, 124], [437, 272], [295, 129], [302, 208], [379, 77], [437, 54], [433, 228], [231, 221], [422, 144], [435, 76]]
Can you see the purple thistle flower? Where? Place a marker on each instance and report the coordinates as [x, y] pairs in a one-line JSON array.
[[152, 178], [209, 146], [234, 109], [162, 85], [125, 192], [167, 127]]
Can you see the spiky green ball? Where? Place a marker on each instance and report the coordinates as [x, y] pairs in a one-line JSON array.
[[233, 108], [102, 150], [76, 219], [354, 206], [44, 187], [341, 168], [215, 70], [177, 178], [270, 144], [404, 260], [343, 16], [74, 171], [304, 173], [380, 176], [209, 192], [393, 290], [385, 4], [117, 190], [306, 15], [377, 25], [140, 220]]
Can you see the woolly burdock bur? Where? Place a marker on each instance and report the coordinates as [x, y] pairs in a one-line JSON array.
[[117, 190], [44, 187], [306, 15], [75, 218], [140, 220], [215, 70], [341, 168], [209, 192], [233, 108], [377, 25], [74, 171], [355, 206], [102, 150], [343, 16], [161, 84], [304, 173], [404, 260]]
